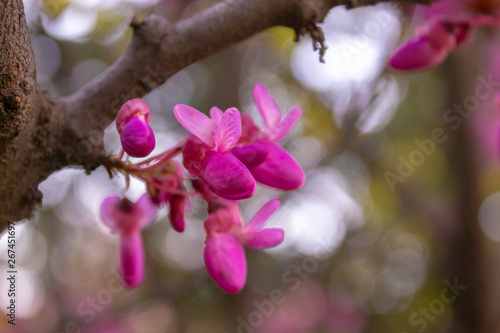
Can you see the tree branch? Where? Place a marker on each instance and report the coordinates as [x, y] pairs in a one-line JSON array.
[[70, 131]]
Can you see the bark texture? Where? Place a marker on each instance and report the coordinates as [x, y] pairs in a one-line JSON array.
[[40, 134]]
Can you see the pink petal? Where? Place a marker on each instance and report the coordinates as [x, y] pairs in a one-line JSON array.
[[417, 53], [439, 34], [263, 215], [249, 131], [192, 154], [224, 219], [176, 213], [133, 108], [226, 176], [107, 212], [148, 209], [216, 114], [196, 123], [137, 138], [279, 170], [126, 217], [250, 155], [229, 130], [263, 238], [287, 123], [132, 259], [201, 187], [122, 215], [268, 108], [225, 261]]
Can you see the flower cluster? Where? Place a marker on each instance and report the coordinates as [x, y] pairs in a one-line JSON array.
[[449, 26], [225, 154]]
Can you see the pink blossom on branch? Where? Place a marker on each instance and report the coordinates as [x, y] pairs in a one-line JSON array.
[[207, 151], [224, 254], [132, 122]]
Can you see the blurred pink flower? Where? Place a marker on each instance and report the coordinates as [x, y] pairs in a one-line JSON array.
[[311, 308], [132, 122], [449, 25], [127, 219], [224, 254]]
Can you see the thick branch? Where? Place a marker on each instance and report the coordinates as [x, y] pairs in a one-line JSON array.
[[19, 109], [17, 71], [72, 129]]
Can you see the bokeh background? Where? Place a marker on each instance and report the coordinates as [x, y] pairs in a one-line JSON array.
[[363, 252]]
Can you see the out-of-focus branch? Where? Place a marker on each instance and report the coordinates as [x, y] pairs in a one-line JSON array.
[[70, 131], [464, 259]]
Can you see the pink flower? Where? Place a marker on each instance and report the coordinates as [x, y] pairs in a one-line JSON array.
[[449, 26], [433, 43], [224, 254], [127, 219], [132, 122], [268, 162], [207, 153]]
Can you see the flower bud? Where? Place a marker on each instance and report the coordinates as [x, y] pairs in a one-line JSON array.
[[131, 109], [137, 138]]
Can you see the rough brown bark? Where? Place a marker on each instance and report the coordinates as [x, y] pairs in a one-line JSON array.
[[40, 134], [19, 109]]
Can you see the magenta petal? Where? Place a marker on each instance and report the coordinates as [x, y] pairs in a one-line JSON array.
[[417, 53], [250, 155], [263, 215], [279, 170], [137, 138], [263, 238], [196, 123], [268, 108], [176, 213], [192, 154], [148, 209], [133, 108], [132, 259], [225, 261], [249, 131], [226, 176], [229, 130], [216, 114], [107, 212], [287, 123]]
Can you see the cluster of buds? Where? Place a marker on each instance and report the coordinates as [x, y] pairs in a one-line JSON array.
[[449, 26], [225, 156]]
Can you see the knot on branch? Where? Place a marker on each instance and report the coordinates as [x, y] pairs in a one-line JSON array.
[[153, 29], [318, 38]]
